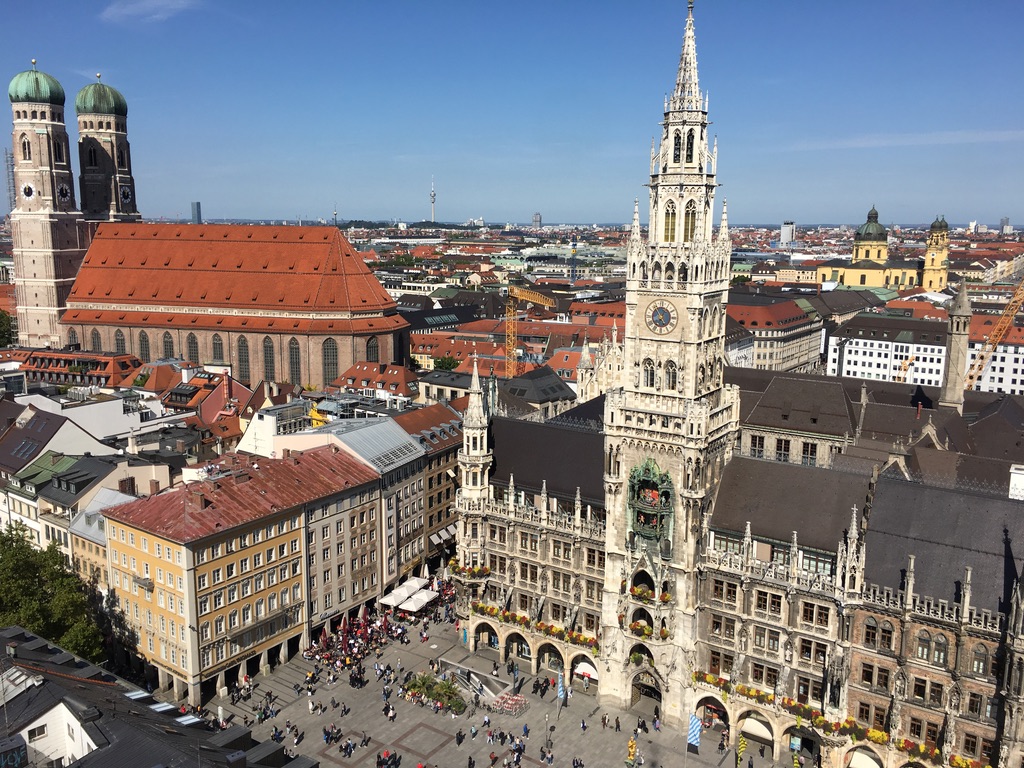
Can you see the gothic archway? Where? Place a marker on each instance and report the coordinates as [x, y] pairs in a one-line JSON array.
[[757, 728], [517, 647], [549, 657], [485, 636]]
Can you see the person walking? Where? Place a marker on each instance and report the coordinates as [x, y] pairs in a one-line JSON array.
[[618, 727], [583, 725]]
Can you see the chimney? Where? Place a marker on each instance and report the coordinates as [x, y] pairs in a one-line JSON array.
[[154, 486], [133, 443], [179, 445], [275, 389]]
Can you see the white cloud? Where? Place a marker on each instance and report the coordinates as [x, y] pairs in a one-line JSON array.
[[935, 138], [122, 11]]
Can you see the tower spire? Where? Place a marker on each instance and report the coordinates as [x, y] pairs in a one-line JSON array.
[[723, 230], [687, 93], [475, 409]]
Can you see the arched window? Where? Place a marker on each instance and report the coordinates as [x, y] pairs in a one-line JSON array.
[[259, 608], [939, 651], [72, 337], [677, 148], [294, 361], [329, 360], [648, 373], [192, 348], [58, 151], [95, 343], [669, 234], [924, 645], [91, 159], [372, 350], [979, 664], [885, 636], [243, 360], [268, 359], [119, 344], [246, 613], [689, 221], [26, 148], [218, 348], [870, 632], [272, 601], [671, 376], [689, 147], [144, 347], [120, 159], [284, 597], [168, 344], [670, 272]]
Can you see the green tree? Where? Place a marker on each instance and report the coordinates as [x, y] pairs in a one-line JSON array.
[[39, 592], [446, 363], [6, 329]]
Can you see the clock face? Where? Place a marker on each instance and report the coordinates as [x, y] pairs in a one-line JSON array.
[[28, 190], [126, 193], [662, 317], [63, 193]]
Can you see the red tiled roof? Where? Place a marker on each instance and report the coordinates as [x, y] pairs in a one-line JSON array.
[[779, 315], [396, 379], [983, 325], [228, 268], [247, 492], [432, 424]]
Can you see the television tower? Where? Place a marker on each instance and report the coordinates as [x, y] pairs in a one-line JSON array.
[[433, 199]]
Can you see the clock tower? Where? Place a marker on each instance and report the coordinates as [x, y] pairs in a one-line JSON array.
[[104, 154], [47, 229], [671, 423]]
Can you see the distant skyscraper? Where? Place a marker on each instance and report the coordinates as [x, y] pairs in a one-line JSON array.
[[1005, 228], [197, 212], [788, 234], [536, 221]]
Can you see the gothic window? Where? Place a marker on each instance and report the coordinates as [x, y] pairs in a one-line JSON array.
[[924, 645], [95, 344], [72, 337], [979, 665], [268, 359], [689, 221], [648, 373], [144, 347], [168, 344], [192, 347], [939, 650], [58, 152], [329, 360], [689, 147], [119, 346], [656, 272], [669, 235], [677, 148], [670, 272], [218, 348], [26, 148], [91, 157], [294, 362], [243, 360], [372, 350], [671, 375], [121, 159]]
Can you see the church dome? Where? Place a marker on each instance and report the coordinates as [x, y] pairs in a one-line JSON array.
[[35, 87], [871, 229], [940, 225], [100, 99]]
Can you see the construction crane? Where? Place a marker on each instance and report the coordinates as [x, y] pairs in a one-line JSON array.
[[515, 294], [902, 375], [1003, 326]]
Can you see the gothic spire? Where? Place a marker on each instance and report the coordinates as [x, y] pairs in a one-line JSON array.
[[723, 230], [687, 93], [475, 409]]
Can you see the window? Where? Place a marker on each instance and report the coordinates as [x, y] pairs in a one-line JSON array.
[[294, 361], [26, 148], [689, 221], [218, 348], [916, 728], [885, 636], [677, 148], [979, 662], [39, 732], [669, 229], [974, 704], [781, 450], [95, 344], [168, 343], [870, 632], [920, 688], [244, 374], [935, 694], [810, 454], [757, 446], [924, 645], [671, 375], [720, 663], [329, 360], [192, 348], [372, 350], [144, 355], [939, 650], [970, 744], [269, 372], [648, 373], [689, 147], [765, 675]]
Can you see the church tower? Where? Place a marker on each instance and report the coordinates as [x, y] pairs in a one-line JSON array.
[[871, 240], [936, 256], [475, 457], [671, 424], [49, 238], [105, 159], [955, 375]]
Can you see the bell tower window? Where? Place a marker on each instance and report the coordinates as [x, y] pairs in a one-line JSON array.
[[677, 148], [689, 147], [58, 152], [689, 221], [91, 157], [121, 159], [669, 235], [26, 148]]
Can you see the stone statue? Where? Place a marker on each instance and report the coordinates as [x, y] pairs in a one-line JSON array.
[[743, 639], [895, 708], [900, 687], [1004, 755], [835, 677], [788, 652]]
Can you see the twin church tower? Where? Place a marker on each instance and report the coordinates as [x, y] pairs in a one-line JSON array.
[[51, 232]]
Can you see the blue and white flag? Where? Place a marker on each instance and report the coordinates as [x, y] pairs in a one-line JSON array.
[[693, 737], [561, 686]]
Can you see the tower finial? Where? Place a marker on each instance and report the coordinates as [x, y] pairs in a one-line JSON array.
[[98, 75], [33, 63], [687, 92]]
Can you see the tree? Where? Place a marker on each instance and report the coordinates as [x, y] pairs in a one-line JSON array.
[[39, 592], [6, 329], [446, 363]]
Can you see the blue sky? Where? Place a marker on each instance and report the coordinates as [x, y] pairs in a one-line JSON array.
[[278, 110]]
